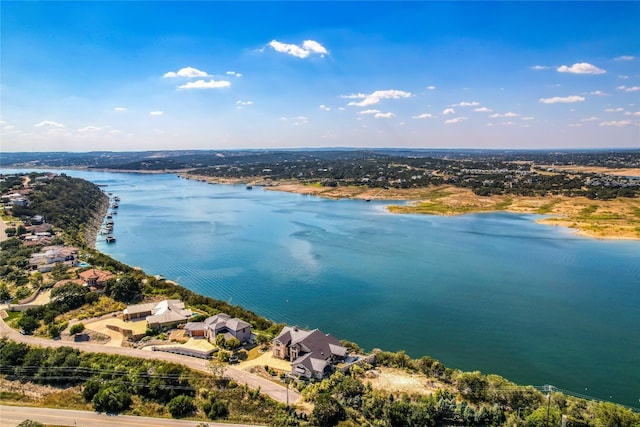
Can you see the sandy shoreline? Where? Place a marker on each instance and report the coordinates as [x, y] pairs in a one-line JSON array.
[[612, 219]]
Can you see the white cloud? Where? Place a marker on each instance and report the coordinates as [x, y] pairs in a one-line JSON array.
[[201, 84], [314, 46], [619, 123], [422, 116], [613, 110], [635, 114], [590, 119], [156, 113], [456, 120], [384, 115], [629, 89], [325, 108], [466, 104], [115, 132], [244, 102], [509, 114], [377, 96], [89, 129], [483, 110], [448, 111], [188, 72], [625, 58], [540, 67], [354, 96], [575, 125], [509, 123], [49, 124], [233, 73], [527, 118], [598, 93], [581, 68], [565, 99], [119, 109], [308, 47], [369, 112], [431, 88]]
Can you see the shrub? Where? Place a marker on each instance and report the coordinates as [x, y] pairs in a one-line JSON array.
[[180, 406], [76, 329]]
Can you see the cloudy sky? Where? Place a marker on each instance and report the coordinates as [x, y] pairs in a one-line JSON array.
[[205, 75]]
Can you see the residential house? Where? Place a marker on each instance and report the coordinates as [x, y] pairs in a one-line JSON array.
[[95, 279], [312, 354], [51, 255], [167, 313], [221, 323]]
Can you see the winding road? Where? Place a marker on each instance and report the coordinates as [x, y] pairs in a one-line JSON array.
[[275, 391], [11, 416]]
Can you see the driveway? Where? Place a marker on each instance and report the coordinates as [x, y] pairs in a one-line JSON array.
[[275, 391]]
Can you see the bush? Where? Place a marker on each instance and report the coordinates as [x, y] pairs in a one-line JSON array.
[[181, 406], [76, 329], [111, 399], [215, 409]]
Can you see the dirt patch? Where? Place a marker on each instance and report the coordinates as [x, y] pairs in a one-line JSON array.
[[399, 381]]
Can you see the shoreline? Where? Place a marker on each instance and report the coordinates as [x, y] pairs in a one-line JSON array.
[[93, 228], [617, 219]]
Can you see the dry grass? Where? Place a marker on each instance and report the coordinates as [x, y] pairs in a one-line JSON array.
[[611, 219], [399, 381]]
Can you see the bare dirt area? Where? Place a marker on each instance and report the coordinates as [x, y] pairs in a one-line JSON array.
[[399, 381], [597, 169]]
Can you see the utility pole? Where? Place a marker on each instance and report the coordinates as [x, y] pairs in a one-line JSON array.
[[549, 389]]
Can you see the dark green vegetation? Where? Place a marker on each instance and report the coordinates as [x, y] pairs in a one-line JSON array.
[[486, 172], [114, 384], [70, 204], [117, 384], [461, 399]]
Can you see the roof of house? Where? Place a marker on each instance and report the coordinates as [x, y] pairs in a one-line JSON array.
[[311, 363], [223, 320], [194, 326], [166, 317], [99, 275], [323, 346]]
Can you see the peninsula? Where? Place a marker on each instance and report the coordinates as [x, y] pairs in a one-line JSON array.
[[388, 388], [597, 193]]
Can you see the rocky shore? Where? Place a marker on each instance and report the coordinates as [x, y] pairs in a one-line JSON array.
[[93, 228]]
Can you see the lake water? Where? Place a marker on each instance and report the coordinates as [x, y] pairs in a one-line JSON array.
[[491, 292]]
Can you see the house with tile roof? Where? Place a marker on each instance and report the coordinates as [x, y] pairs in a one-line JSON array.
[[221, 323], [313, 354], [95, 279]]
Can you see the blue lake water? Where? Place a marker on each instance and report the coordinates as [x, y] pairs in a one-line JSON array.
[[491, 292]]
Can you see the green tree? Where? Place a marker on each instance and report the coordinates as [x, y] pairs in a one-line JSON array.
[[4, 293], [181, 406], [327, 411], [28, 323], [111, 399], [126, 288], [76, 329], [59, 272]]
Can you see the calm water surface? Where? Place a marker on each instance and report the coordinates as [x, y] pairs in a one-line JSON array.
[[491, 292]]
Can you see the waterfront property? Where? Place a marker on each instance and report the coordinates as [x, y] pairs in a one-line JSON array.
[[95, 279], [313, 354], [221, 323], [163, 314], [51, 255]]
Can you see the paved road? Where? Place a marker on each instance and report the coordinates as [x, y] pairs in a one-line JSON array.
[[11, 416], [3, 227], [275, 391]]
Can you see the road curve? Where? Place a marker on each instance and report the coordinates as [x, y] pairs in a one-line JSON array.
[[11, 416], [275, 391]]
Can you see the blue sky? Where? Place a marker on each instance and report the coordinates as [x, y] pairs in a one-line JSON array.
[[83, 76]]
